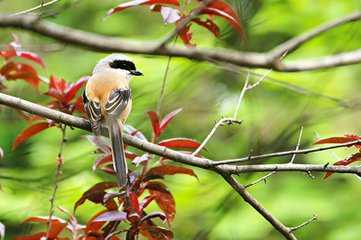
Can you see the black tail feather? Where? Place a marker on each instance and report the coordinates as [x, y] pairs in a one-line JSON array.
[[119, 160]]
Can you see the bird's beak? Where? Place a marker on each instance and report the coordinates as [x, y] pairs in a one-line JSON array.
[[136, 73]]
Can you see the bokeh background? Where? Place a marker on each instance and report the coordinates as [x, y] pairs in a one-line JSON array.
[[325, 102]]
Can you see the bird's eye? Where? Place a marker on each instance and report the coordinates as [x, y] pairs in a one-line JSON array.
[[122, 64]]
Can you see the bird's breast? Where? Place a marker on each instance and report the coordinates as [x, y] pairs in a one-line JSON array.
[[101, 85]]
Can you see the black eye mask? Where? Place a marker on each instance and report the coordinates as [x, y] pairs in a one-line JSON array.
[[125, 65]]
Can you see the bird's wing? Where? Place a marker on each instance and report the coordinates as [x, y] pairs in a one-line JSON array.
[[93, 110], [117, 102]]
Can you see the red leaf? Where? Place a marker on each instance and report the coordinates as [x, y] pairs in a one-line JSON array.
[[167, 119], [134, 203], [353, 158], [13, 71], [95, 194], [12, 50], [132, 208], [153, 232], [72, 90], [31, 56], [186, 35], [29, 132], [163, 198], [224, 10], [57, 224], [8, 53], [134, 3], [208, 24], [345, 139], [57, 88], [103, 160], [108, 159], [79, 105], [154, 215], [155, 123], [146, 201], [130, 155], [111, 216], [163, 170], [93, 226], [180, 143]]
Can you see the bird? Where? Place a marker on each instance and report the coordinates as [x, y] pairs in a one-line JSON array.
[[107, 100]]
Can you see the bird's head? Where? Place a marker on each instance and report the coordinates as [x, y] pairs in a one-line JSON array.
[[118, 62]]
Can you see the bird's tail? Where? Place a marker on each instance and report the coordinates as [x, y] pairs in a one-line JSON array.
[[119, 160]]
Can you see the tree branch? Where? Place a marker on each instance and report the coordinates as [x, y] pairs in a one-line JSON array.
[[241, 190], [285, 153], [224, 170], [204, 163], [286, 167], [269, 60], [294, 43]]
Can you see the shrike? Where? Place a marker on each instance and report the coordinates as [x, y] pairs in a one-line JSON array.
[[107, 99]]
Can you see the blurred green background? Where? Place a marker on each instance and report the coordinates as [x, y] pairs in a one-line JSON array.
[[325, 102]]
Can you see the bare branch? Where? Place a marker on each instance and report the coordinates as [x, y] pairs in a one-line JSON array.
[[221, 122], [164, 82], [285, 153], [241, 190], [229, 121], [292, 44], [285, 167], [263, 77], [314, 218], [110, 44], [41, 5], [264, 179], [204, 163], [297, 146], [240, 98]]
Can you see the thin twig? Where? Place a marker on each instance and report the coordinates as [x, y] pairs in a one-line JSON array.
[[284, 153], [221, 122], [231, 120], [41, 5], [289, 86], [293, 229], [263, 77], [240, 98], [297, 146], [164, 83], [241, 190], [294, 43], [264, 179], [162, 90], [59, 163]]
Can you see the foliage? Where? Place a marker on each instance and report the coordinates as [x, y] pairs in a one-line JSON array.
[[173, 11], [127, 204], [345, 139], [271, 114]]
